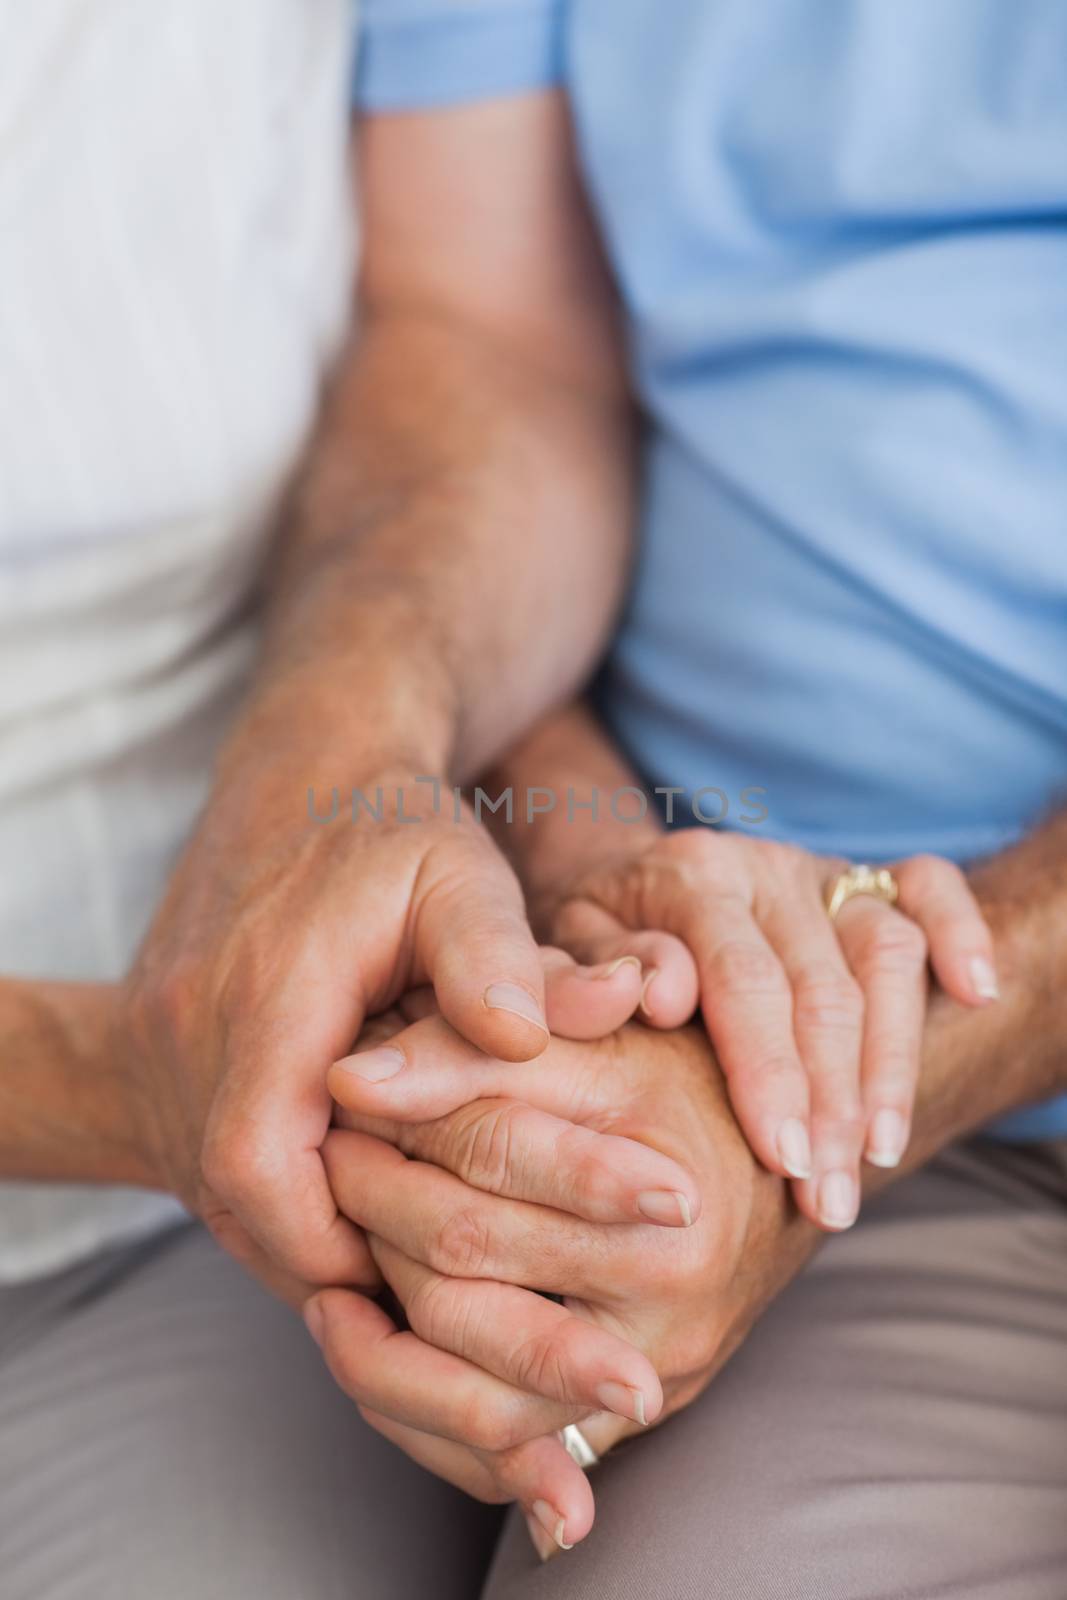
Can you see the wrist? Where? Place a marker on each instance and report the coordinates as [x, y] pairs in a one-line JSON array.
[[69, 1113], [374, 695], [594, 815]]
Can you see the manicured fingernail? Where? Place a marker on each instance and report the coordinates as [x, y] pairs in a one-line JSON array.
[[839, 1200], [546, 1548], [888, 1138], [554, 1525], [374, 1065], [623, 1401], [794, 1148], [667, 1206], [510, 997], [613, 966], [649, 981], [984, 979], [314, 1319]]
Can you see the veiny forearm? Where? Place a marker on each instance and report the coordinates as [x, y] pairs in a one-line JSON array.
[[63, 1101], [455, 553]]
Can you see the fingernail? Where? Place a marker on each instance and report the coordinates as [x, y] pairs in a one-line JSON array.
[[794, 1148], [613, 966], [374, 1065], [545, 1547], [984, 979], [649, 981], [888, 1138], [554, 1525], [839, 1200], [510, 997], [667, 1206], [623, 1401], [314, 1319]]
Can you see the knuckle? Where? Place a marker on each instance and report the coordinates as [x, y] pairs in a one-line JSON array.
[[894, 1060], [490, 1424], [747, 968], [827, 999], [781, 859], [462, 1248], [484, 1144], [928, 875], [838, 1107], [435, 1309], [767, 1075], [897, 944], [539, 1364], [236, 1162], [586, 1178], [685, 859]]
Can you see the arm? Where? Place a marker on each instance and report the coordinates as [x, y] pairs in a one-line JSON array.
[[63, 1111], [474, 448]]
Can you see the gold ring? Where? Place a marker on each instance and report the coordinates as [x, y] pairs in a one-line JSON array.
[[876, 881], [578, 1447]]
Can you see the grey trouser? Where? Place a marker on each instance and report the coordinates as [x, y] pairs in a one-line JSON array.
[[896, 1426]]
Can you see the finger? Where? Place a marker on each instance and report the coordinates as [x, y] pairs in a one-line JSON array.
[[527, 1341], [747, 1003], [439, 1220], [935, 894], [671, 985], [473, 942], [580, 1002], [262, 1158], [553, 1490], [589, 1002], [427, 1071], [235, 1239], [508, 1148], [399, 1375], [887, 952], [745, 997], [828, 1023]]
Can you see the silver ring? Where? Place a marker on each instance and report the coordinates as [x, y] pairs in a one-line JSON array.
[[578, 1447]]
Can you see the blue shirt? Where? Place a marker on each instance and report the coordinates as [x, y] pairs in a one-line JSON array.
[[840, 231]]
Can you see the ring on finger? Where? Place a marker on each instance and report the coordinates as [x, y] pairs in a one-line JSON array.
[[877, 882], [578, 1447]]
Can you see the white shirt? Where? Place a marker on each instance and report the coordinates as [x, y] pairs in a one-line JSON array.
[[175, 262]]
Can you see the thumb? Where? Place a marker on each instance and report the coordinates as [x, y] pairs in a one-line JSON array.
[[474, 945]]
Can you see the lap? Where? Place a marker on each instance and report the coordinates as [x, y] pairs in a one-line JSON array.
[[167, 1430], [895, 1426]]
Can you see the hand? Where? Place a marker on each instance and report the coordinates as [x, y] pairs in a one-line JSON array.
[[817, 1025], [487, 1369], [277, 937]]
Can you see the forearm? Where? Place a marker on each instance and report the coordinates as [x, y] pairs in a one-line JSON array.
[[979, 1064], [62, 1090], [454, 555]]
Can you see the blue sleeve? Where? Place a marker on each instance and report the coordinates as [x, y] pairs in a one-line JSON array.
[[415, 53]]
